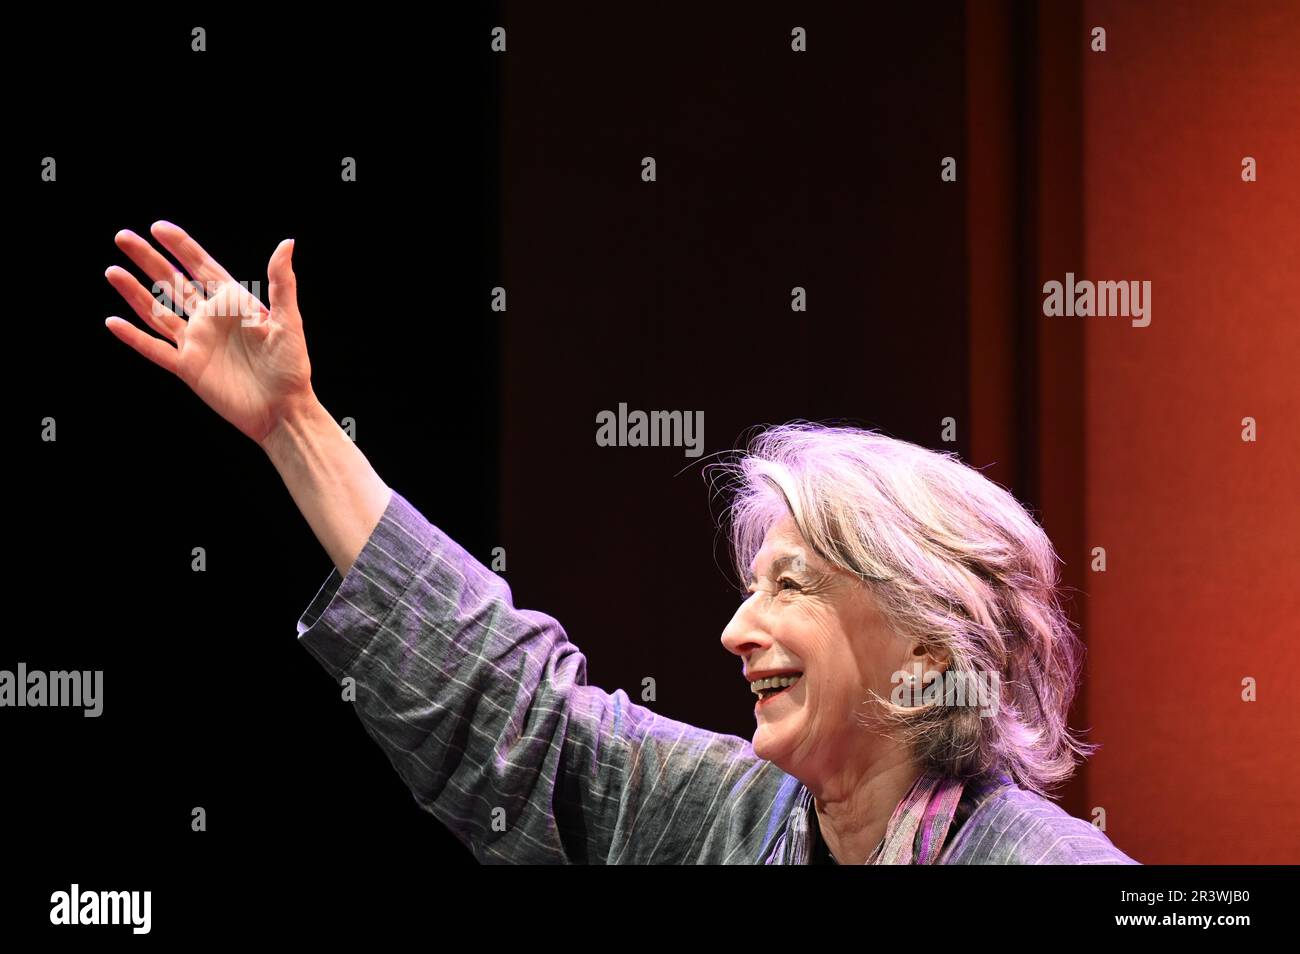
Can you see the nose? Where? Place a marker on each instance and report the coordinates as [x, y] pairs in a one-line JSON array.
[[745, 633]]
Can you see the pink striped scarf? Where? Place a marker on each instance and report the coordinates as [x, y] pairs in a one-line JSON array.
[[919, 826]]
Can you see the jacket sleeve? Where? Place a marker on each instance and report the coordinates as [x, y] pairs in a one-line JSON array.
[[484, 711]]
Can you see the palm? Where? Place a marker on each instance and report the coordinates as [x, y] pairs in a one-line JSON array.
[[235, 370], [245, 361]]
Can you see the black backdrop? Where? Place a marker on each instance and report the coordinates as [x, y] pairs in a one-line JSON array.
[[208, 701]]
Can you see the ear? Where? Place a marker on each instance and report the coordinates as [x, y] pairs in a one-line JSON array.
[[930, 659]]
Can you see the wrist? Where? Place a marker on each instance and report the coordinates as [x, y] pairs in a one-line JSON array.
[[294, 421], [328, 477]]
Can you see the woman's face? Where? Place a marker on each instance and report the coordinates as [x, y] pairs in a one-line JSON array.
[[806, 616]]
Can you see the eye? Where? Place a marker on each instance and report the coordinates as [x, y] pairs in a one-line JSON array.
[[783, 583]]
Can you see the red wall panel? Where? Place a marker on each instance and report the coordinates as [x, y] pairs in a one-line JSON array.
[[1201, 529]]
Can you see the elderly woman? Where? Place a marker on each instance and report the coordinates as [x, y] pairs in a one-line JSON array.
[[900, 630]]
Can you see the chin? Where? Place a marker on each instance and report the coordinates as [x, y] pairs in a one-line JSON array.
[[769, 744]]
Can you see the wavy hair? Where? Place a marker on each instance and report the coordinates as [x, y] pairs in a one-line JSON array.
[[953, 561]]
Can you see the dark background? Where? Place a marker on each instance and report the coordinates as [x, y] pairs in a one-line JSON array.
[[208, 701], [477, 170]]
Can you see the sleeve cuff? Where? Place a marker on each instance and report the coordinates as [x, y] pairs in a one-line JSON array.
[[348, 612]]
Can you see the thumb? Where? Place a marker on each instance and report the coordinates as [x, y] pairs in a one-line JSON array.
[[283, 284]]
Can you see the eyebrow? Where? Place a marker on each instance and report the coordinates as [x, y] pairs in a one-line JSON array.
[[783, 562]]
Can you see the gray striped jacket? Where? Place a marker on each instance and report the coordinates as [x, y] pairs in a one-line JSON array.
[[485, 712]]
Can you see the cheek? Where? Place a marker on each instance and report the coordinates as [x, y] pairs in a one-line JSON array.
[[842, 689], [827, 650], [852, 664]]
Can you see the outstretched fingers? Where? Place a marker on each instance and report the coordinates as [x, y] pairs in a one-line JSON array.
[[282, 284], [201, 266], [157, 316], [155, 349], [179, 289]]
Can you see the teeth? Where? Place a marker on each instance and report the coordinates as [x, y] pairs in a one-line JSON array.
[[773, 682]]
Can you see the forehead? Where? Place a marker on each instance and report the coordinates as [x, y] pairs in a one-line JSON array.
[[783, 547]]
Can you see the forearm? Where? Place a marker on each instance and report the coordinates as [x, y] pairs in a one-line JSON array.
[[338, 492]]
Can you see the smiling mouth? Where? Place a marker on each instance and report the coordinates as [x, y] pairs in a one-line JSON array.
[[769, 689]]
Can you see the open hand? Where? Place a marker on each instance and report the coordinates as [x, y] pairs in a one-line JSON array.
[[247, 362]]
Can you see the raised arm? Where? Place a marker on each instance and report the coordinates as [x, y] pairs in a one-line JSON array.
[[250, 365], [485, 712], [482, 708]]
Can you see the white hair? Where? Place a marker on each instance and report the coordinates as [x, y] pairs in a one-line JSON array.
[[953, 561]]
